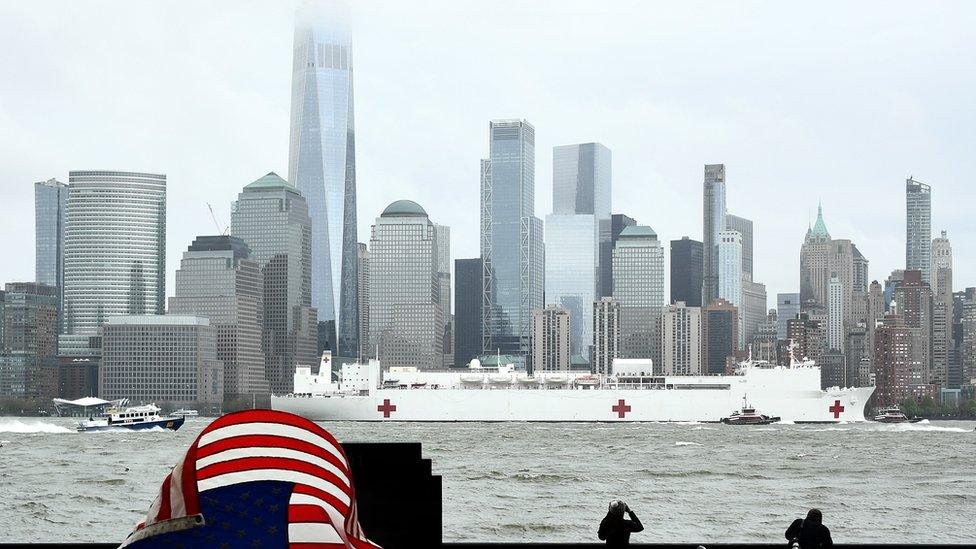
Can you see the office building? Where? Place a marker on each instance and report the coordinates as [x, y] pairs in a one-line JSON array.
[[362, 306], [744, 227], [753, 309], [218, 280], [511, 239], [720, 335], [687, 268], [606, 334], [681, 340], [169, 360], [28, 340], [114, 252], [550, 339], [50, 202], [322, 164], [406, 322], [942, 309], [271, 216], [468, 292], [618, 222], [714, 222], [638, 275], [918, 228], [787, 307]]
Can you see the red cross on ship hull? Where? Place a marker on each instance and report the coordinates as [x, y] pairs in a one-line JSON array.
[[836, 409], [386, 408], [621, 408]]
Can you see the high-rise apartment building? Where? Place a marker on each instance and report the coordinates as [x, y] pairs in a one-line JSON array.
[[638, 285], [730, 274], [406, 321], [468, 290], [114, 252], [162, 359], [551, 339], [720, 335], [687, 268], [28, 340], [322, 164], [606, 334], [835, 315], [914, 306], [918, 228], [744, 227], [578, 252], [218, 280], [787, 308], [714, 221], [681, 340], [942, 309], [892, 362], [753, 309], [511, 239], [271, 217], [50, 202]]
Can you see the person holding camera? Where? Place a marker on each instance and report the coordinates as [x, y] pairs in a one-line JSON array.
[[809, 533], [615, 529]]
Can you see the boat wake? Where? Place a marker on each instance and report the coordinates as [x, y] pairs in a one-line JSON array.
[[686, 443], [22, 427], [925, 426]]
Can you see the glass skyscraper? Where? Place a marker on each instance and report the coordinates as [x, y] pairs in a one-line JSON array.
[[50, 200], [322, 164], [114, 251], [713, 222], [918, 229], [511, 238], [578, 236], [638, 284]]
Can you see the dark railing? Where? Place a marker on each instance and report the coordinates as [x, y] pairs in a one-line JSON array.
[[399, 501]]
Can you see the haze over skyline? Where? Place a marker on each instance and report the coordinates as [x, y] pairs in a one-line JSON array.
[[836, 103]]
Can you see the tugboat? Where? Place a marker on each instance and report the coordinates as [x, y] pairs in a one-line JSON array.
[[894, 415], [133, 418], [748, 416]]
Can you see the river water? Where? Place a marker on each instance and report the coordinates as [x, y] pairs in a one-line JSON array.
[[551, 482]]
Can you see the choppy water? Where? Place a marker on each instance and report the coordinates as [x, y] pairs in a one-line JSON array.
[[551, 482]]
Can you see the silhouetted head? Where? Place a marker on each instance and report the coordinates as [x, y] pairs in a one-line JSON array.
[[815, 516], [617, 508]]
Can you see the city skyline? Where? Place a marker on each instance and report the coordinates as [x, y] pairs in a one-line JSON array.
[[661, 188]]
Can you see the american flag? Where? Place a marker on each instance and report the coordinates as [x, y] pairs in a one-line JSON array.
[[258, 478]]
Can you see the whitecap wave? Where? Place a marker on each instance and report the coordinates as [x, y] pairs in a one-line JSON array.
[[17, 426], [686, 443], [924, 426]]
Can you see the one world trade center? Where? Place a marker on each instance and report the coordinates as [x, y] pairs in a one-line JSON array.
[[322, 164]]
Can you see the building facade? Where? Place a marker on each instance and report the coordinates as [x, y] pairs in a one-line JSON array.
[[618, 222], [687, 268], [918, 228], [638, 285], [744, 227], [322, 164], [787, 307], [28, 340], [835, 315], [160, 359], [913, 300], [217, 280], [720, 335], [511, 239], [114, 251], [606, 334], [942, 309], [551, 339], [406, 323], [681, 340], [714, 222], [892, 362], [362, 296], [753, 309], [50, 203], [467, 305], [271, 216]]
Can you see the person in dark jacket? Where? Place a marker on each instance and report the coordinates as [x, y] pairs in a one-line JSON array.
[[615, 529], [810, 533]]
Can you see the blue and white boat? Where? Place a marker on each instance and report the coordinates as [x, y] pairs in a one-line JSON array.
[[132, 418]]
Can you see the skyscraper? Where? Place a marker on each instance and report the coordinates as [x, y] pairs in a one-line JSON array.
[[835, 314], [681, 340], [638, 274], [918, 228], [28, 340], [322, 163], [218, 280], [618, 222], [114, 252], [729, 263], [914, 306], [511, 238], [271, 217], [687, 264], [406, 321], [861, 278], [578, 235], [720, 335], [892, 362], [550, 339], [606, 334], [942, 309], [787, 308], [50, 201], [363, 301], [753, 309], [744, 227], [443, 233], [713, 223], [814, 262], [468, 289]]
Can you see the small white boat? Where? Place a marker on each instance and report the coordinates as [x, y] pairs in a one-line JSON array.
[[894, 415], [184, 412], [133, 418]]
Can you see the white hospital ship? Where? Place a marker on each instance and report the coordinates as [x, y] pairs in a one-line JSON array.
[[366, 392]]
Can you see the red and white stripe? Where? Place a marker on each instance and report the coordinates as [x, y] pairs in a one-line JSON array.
[[261, 445]]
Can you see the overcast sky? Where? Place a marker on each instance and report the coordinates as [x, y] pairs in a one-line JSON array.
[[838, 102]]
